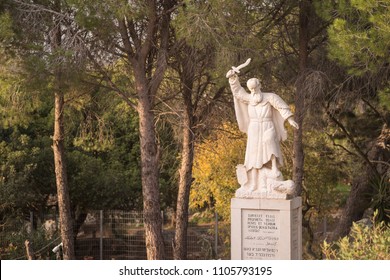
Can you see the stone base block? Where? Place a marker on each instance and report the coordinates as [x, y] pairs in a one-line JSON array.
[[266, 229]]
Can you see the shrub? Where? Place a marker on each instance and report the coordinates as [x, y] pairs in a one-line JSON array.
[[363, 243]]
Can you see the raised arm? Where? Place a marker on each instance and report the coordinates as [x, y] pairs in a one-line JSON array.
[[238, 91]]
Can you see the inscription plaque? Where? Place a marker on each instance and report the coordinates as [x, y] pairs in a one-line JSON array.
[[260, 234], [266, 229]]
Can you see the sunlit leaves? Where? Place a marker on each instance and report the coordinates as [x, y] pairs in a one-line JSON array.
[[6, 32], [20, 167], [365, 242], [360, 36], [215, 170]]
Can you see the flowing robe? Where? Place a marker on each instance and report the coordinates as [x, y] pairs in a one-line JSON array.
[[261, 117]]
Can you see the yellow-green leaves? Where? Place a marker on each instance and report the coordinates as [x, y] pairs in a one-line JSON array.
[[360, 36], [214, 169], [365, 242], [6, 32]]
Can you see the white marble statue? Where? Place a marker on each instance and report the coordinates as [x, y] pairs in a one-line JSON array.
[[261, 115]]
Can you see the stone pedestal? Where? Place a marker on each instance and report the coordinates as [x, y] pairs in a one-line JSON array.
[[266, 229]]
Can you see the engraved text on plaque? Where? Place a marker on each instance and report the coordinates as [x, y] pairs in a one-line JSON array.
[[260, 234]]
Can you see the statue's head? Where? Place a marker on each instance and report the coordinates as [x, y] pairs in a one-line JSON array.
[[253, 85]]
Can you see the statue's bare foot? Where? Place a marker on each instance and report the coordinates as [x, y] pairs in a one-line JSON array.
[[252, 188]]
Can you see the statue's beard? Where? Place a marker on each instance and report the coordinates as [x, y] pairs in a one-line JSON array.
[[256, 98]]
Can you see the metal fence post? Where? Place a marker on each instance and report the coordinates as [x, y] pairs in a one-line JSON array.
[[101, 235]]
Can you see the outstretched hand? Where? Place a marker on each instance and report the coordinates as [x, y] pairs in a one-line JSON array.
[[230, 73], [293, 123]]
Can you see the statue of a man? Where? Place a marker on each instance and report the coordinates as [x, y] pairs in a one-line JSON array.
[[261, 115]]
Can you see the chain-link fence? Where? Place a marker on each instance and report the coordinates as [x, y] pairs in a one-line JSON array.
[[109, 235]]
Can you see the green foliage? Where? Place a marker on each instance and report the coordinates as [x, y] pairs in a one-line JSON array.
[[95, 184], [224, 240], [323, 171], [12, 241], [229, 27], [102, 142], [103, 153], [104, 156], [93, 15], [103, 150], [381, 198], [359, 37], [203, 217], [24, 183], [16, 102], [169, 163], [207, 22], [6, 33], [27, 173], [384, 98], [101, 175], [101, 17], [363, 243]]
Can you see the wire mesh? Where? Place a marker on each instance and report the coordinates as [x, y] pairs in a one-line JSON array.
[[107, 235]]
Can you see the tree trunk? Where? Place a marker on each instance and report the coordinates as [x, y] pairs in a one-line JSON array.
[[187, 77], [150, 178], [59, 151], [147, 53], [187, 159], [61, 179], [298, 161], [358, 201]]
